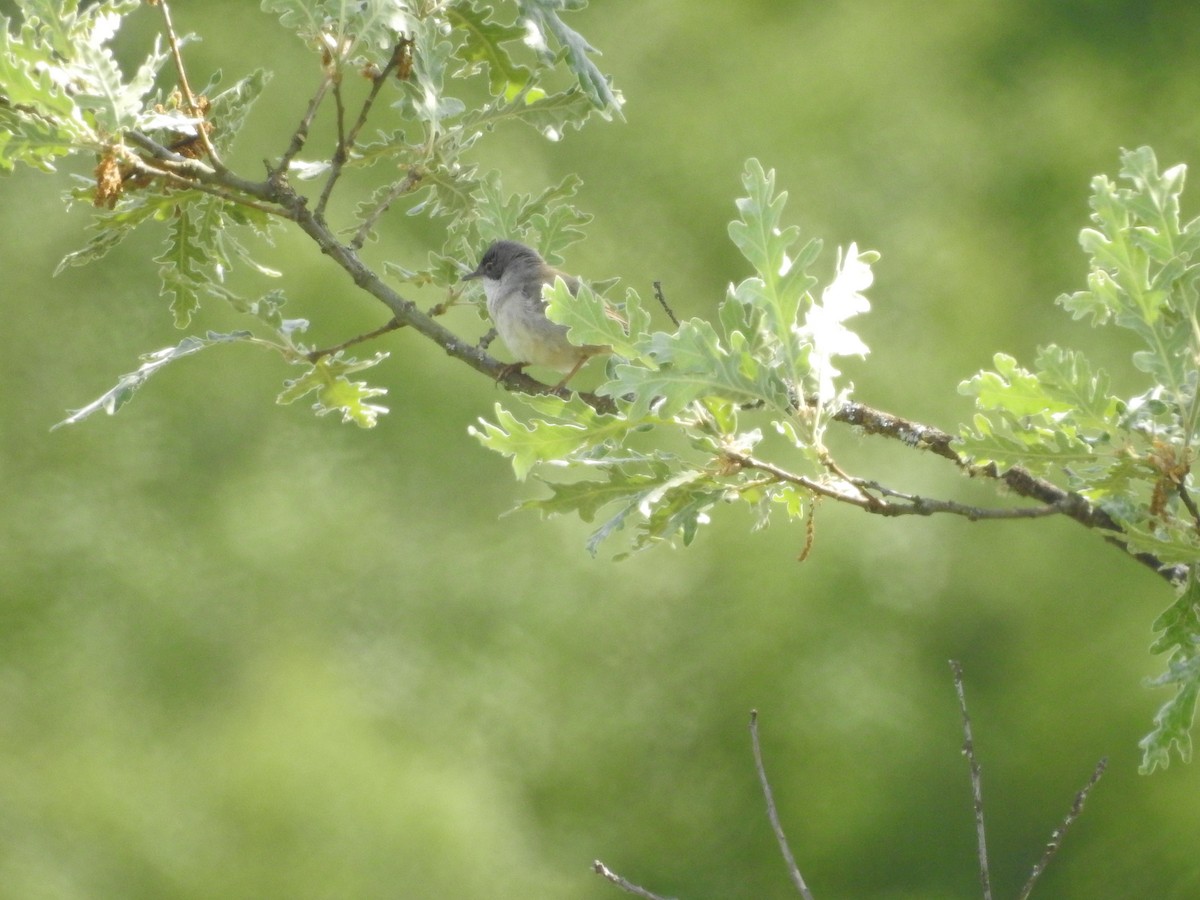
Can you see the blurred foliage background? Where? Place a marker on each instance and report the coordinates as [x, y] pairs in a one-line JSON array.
[[250, 653]]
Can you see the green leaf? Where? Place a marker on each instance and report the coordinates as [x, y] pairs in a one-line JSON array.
[[183, 262], [351, 33], [548, 220], [663, 504], [29, 138], [1013, 390], [677, 508], [543, 18], [567, 428], [113, 226], [1006, 443], [335, 392], [550, 114], [265, 308], [777, 294], [112, 400], [1067, 378], [1179, 636], [691, 364], [482, 46], [759, 237], [228, 109], [622, 493], [591, 321], [424, 92]]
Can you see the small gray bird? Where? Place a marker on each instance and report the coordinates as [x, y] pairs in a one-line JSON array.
[[512, 276]]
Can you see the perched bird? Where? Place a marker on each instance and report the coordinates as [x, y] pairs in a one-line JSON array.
[[513, 276]]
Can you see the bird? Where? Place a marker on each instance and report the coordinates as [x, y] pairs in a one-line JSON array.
[[513, 276]]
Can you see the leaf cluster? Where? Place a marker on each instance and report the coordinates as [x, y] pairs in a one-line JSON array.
[[1131, 455]]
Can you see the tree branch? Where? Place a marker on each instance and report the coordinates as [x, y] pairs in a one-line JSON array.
[[773, 813], [1020, 481], [392, 325], [1060, 832], [864, 500], [867, 495], [968, 749], [300, 135], [624, 884]]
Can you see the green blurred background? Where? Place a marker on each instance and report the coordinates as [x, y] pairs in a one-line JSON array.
[[246, 652]]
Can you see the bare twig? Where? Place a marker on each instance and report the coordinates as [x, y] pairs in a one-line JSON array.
[[300, 135], [873, 502], [186, 89], [968, 750], [912, 505], [1188, 502], [923, 506], [411, 179], [1060, 832], [392, 325], [340, 154], [658, 293], [624, 884], [772, 813]]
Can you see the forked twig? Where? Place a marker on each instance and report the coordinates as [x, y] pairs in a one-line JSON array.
[[347, 140], [1060, 832], [976, 782], [772, 813], [623, 883]]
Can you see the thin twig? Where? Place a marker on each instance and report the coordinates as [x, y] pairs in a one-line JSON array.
[[300, 135], [1189, 503], [772, 813], [923, 506], [658, 293], [968, 750], [830, 464], [624, 884], [411, 180], [912, 505], [314, 355], [1060, 832], [186, 89], [340, 153]]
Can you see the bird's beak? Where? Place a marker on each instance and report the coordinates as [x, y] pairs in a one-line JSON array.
[[472, 275]]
